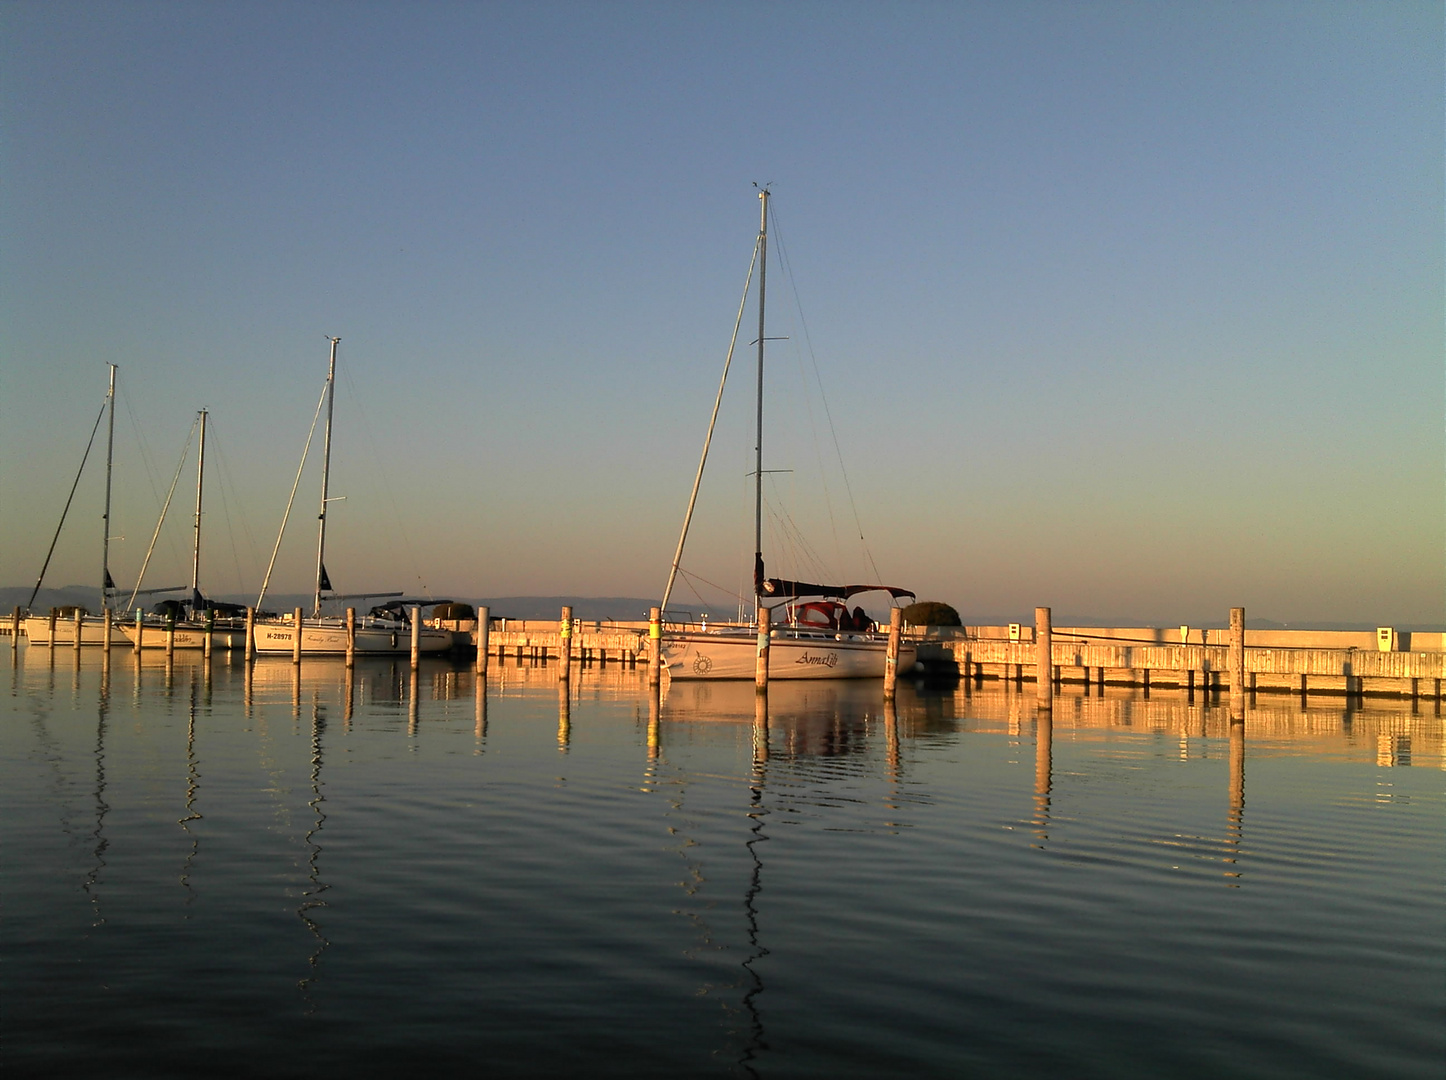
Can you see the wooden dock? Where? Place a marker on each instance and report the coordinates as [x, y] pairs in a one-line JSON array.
[[1350, 663]]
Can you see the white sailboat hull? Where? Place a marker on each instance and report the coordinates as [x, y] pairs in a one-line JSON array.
[[92, 631], [188, 636], [793, 654], [325, 637]]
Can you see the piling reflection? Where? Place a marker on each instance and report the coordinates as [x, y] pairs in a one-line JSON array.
[[564, 714], [414, 704], [655, 723], [193, 783], [479, 709], [98, 838], [1043, 773], [1235, 818], [311, 895]]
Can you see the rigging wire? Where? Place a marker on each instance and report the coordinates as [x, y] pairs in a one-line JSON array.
[[180, 465], [713, 420], [797, 311], [148, 461], [387, 489], [828, 413], [46, 566], [266, 581], [228, 480]]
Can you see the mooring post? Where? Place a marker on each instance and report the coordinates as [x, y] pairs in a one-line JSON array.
[[1043, 659], [484, 632], [171, 636], [78, 618], [50, 630], [564, 644], [655, 646], [250, 634], [891, 654], [210, 630], [140, 630], [416, 637], [765, 631], [1237, 663], [296, 638], [15, 630], [105, 631], [351, 637]]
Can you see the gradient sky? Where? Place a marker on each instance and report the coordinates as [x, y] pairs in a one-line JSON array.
[[1135, 310]]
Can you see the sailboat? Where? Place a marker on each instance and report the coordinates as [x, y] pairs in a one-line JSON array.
[[818, 637], [385, 629], [40, 629]]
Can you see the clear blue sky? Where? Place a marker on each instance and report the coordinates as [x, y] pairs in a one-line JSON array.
[[1129, 309]]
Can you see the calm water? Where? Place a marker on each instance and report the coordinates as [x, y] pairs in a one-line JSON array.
[[294, 876]]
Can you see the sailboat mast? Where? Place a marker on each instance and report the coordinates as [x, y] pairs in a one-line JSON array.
[[758, 445], [105, 583], [325, 477], [196, 545]]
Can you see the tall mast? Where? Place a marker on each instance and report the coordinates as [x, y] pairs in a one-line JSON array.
[[758, 445], [325, 477], [105, 582], [196, 546]]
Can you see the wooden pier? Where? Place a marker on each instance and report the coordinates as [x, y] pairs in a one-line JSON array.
[[1349, 663]]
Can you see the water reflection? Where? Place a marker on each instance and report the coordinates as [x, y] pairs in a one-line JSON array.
[[311, 895], [564, 714], [1043, 773], [807, 719], [98, 837], [1235, 818], [193, 782], [755, 1043], [479, 710]]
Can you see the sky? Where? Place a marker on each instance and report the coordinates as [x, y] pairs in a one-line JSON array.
[[1130, 309]]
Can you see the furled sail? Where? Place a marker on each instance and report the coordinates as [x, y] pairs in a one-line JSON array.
[[782, 589]]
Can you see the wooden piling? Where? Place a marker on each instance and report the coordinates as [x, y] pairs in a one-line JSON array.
[[250, 634], [416, 637], [564, 644], [50, 630], [484, 631], [1043, 659], [140, 630], [1237, 663], [78, 619], [171, 636], [296, 638], [210, 631], [891, 653], [765, 631], [15, 630], [105, 631], [655, 646], [351, 637]]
